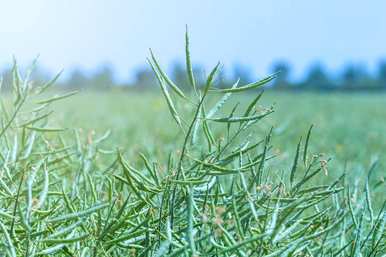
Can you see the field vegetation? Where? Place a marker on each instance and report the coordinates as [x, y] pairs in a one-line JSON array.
[[198, 172]]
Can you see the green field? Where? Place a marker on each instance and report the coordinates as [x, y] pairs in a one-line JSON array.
[[349, 128], [205, 172], [213, 185]]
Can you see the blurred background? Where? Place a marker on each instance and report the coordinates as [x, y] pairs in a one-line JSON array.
[[331, 54], [319, 45]]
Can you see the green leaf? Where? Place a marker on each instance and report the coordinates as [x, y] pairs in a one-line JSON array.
[[173, 86], [165, 92], [248, 86]]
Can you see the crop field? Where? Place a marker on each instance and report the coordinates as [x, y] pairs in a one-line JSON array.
[[343, 129], [204, 172]]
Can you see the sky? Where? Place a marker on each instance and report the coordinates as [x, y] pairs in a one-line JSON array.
[[88, 33]]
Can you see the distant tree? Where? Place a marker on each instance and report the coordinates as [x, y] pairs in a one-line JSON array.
[[243, 73], [381, 76], [283, 69], [317, 78], [355, 76], [350, 76], [39, 75], [77, 80], [179, 75], [103, 78], [144, 78]]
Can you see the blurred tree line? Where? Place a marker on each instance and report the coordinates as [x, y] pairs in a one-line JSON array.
[[352, 77]]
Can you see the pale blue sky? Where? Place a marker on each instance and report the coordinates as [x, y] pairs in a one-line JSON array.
[[86, 33]]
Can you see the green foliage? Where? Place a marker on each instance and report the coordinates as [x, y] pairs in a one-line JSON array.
[[214, 196]]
